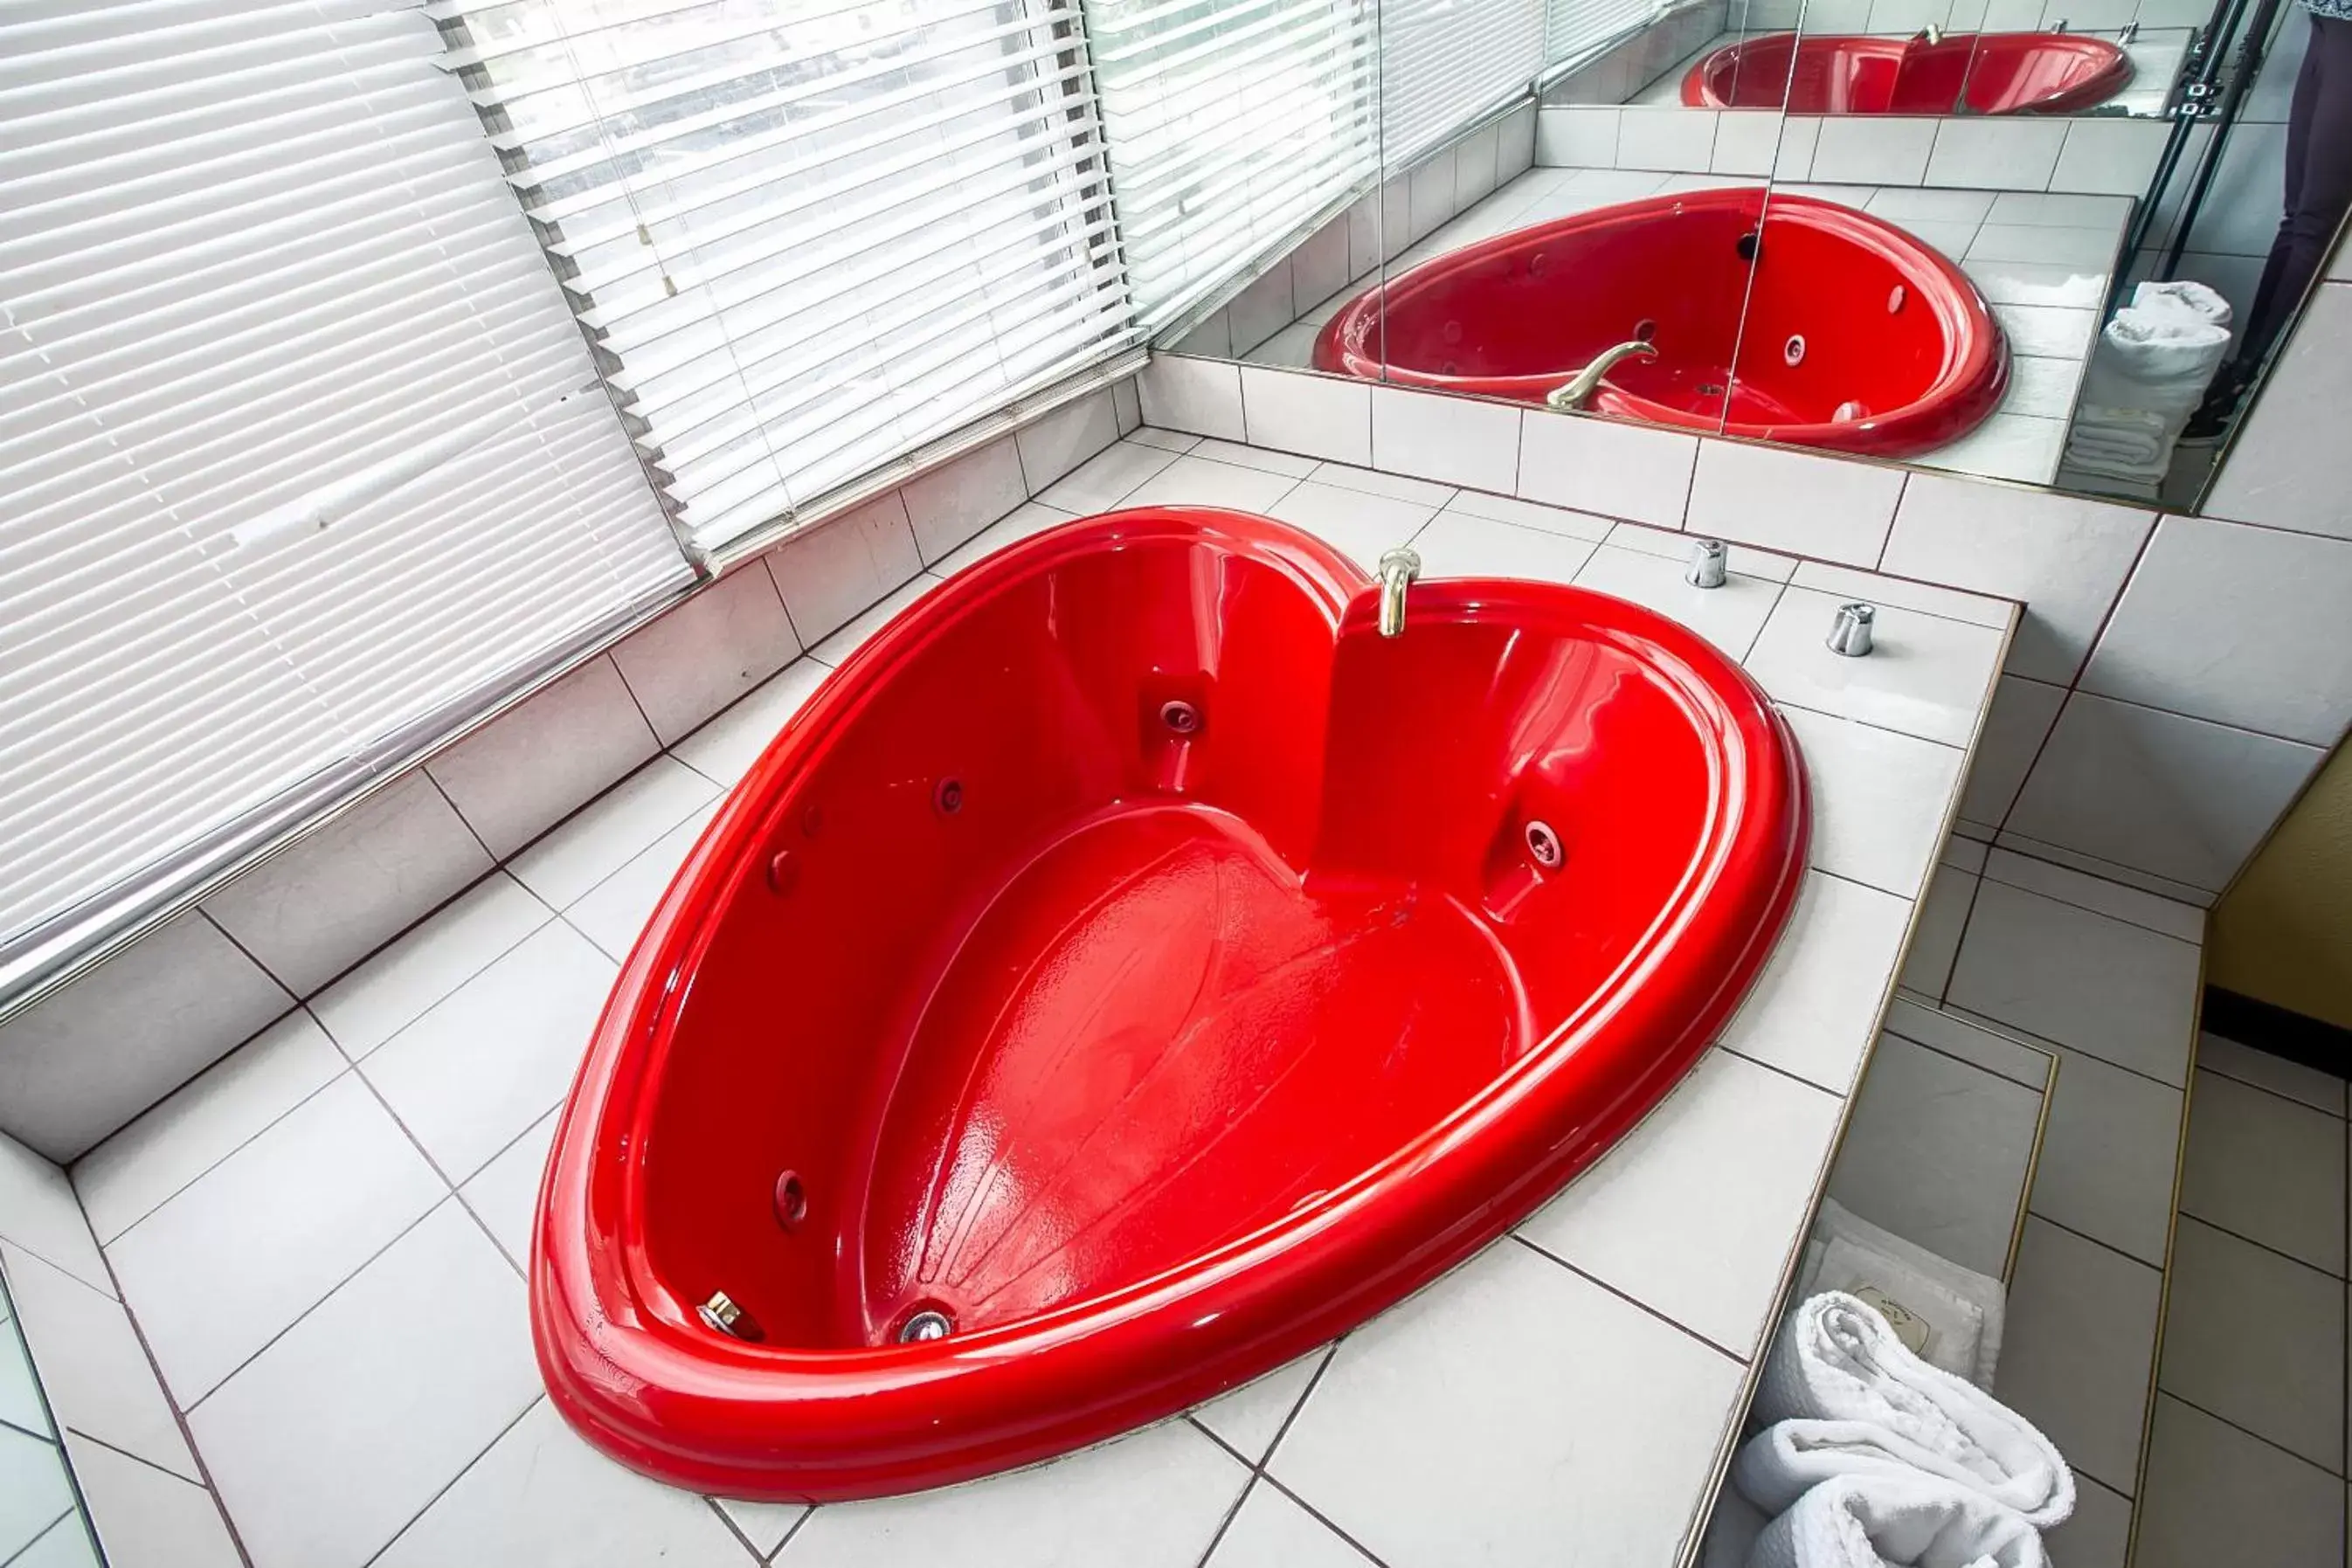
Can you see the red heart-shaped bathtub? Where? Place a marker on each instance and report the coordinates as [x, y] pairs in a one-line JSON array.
[[1135, 969]]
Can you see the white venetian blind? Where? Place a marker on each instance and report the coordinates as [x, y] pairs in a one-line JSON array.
[[1575, 29], [299, 444], [1231, 123], [1445, 63], [810, 234]]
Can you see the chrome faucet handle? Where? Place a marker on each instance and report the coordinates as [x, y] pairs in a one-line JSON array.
[[1850, 634], [1398, 566], [1708, 562], [1930, 35]]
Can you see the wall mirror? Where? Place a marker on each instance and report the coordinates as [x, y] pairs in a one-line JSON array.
[[2024, 239]]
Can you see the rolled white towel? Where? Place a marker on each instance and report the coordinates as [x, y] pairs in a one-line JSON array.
[[1959, 1310], [1871, 1522], [2183, 296], [1835, 1360], [2153, 358]]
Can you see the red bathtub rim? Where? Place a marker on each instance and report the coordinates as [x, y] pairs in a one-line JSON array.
[[602, 1320], [2114, 70], [1970, 384]]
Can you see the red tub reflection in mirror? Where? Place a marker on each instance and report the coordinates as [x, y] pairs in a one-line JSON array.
[[1133, 958], [1850, 333], [1959, 73]]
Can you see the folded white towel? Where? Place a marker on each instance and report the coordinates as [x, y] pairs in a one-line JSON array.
[[2127, 447], [2153, 359], [1835, 1360], [1958, 1311], [1906, 1521]]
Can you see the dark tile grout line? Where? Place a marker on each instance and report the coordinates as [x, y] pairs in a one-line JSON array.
[[2271, 1443], [2034, 1213], [1629, 1299], [2058, 1049], [2264, 1088], [38, 1536], [2283, 1257], [463, 1470], [2009, 883], [727, 1522], [2039, 1090], [134, 1458], [1775, 1067]]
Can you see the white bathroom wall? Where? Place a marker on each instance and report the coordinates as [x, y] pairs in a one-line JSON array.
[[146, 1493], [84, 1061], [2173, 682]]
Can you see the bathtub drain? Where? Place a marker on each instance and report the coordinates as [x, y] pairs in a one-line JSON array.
[[930, 1323], [1180, 717], [1544, 844]]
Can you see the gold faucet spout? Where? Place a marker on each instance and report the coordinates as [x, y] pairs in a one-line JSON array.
[[1398, 569], [1577, 392]]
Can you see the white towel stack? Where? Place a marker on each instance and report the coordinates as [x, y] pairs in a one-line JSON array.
[[1871, 1456], [2151, 366], [1953, 1315]]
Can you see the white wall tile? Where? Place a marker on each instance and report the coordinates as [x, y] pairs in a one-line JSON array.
[[1745, 141], [1810, 1010], [1793, 501], [1152, 1499], [1927, 675], [2065, 557], [2266, 1168], [1873, 150], [542, 1494], [1879, 799], [135, 1172], [1063, 439], [92, 1366], [1800, 137], [2184, 798], [848, 638], [39, 1214], [263, 1236], [319, 907], [1456, 1428], [1515, 149], [2289, 466], [1461, 440], [948, 505], [1609, 466], [2022, 712], [1727, 1165], [1668, 137], [1429, 193], [1261, 309], [724, 749], [1577, 137], [2244, 626], [2216, 1494], [1474, 158], [1458, 544], [1323, 417], [708, 651], [837, 569], [146, 1519], [1319, 267], [2108, 1156], [2079, 1347], [2115, 157], [356, 1418], [2016, 153], [2119, 991], [533, 766], [1126, 404], [90, 1057], [2290, 1080], [1202, 397], [2257, 1340]]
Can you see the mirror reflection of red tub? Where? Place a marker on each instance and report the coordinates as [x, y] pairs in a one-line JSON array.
[[1847, 332], [1949, 73]]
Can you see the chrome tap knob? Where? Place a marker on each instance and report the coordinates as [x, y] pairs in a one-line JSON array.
[[1708, 568], [1850, 634]]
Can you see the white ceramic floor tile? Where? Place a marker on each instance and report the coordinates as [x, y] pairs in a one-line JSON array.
[[763, 1524], [2068, 885], [1025, 522], [1929, 598], [338, 1435], [1812, 1009], [1268, 459], [612, 914], [1460, 1427], [2019, 721], [2267, 1168], [1372, 482], [1565, 521], [1272, 1531], [34, 1491], [1153, 1500], [147, 1519], [1970, 1042], [127, 1177], [2321, 1091], [2078, 1347], [2098, 1533], [262, 1236], [1880, 800], [724, 749], [92, 1366], [1927, 675], [2217, 1495], [1104, 480], [1937, 1151], [1362, 527], [1743, 560], [542, 1495], [1458, 545], [66, 1544], [2119, 991], [1727, 1165], [1198, 482], [1250, 1418], [1935, 940], [860, 628], [486, 1063], [608, 832], [392, 988], [1729, 616], [504, 1194], [2107, 1155], [1166, 440], [2257, 1340]]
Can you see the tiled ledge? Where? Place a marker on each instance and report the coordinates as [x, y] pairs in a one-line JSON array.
[[1578, 1384]]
